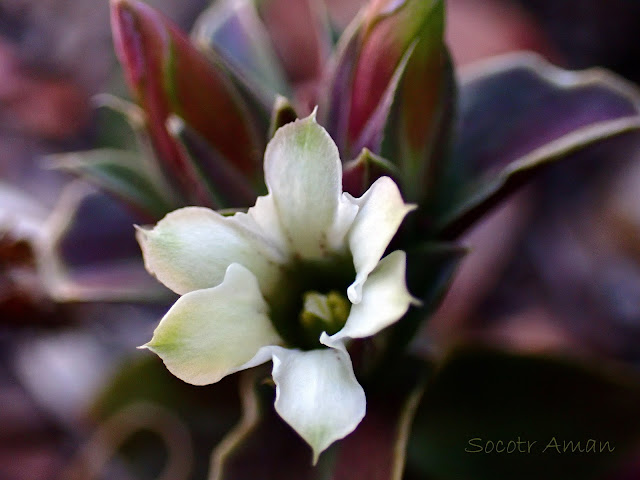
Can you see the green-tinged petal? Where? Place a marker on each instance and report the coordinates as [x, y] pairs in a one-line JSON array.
[[265, 216], [381, 213], [385, 299], [191, 248], [318, 395], [304, 176], [210, 333]]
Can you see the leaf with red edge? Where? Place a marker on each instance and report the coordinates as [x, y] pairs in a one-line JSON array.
[[235, 30], [359, 174], [392, 88], [417, 131], [300, 35], [168, 75], [227, 187], [390, 28]]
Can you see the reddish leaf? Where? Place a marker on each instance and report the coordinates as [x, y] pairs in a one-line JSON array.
[[168, 75]]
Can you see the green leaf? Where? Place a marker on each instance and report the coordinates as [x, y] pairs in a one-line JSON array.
[[418, 129], [117, 172], [226, 186], [478, 396]]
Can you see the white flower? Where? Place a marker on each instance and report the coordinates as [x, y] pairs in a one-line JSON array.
[[273, 283]]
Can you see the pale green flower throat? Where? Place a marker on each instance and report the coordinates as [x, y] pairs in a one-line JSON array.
[[314, 301], [326, 312]]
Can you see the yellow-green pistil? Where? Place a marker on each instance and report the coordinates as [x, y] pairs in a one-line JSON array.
[[324, 313]]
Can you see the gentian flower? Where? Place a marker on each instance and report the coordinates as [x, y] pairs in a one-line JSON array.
[[293, 280]]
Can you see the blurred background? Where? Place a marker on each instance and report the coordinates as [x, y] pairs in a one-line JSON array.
[[555, 269]]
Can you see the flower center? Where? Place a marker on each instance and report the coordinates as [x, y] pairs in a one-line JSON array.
[[324, 313], [312, 300]]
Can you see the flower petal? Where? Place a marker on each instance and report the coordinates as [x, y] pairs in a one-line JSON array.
[[191, 248], [304, 176], [318, 395], [264, 216], [385, 299], [381, 213], [210, 333]]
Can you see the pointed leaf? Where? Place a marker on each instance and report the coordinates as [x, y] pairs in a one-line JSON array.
[[117, 172], [359, 174], [235, 30], [283, 113], [417, 129], [226, 186], [335, 100], [167, 74], [519, 114], [300, 36], [129, 121], [373, 60]]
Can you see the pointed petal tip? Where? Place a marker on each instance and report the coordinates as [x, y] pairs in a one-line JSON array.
[[127, 42], [142, 233], [318, 395], [416, 302], [410, 207]]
